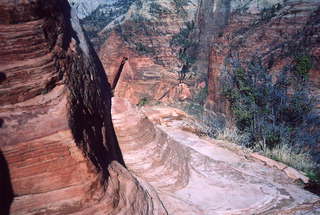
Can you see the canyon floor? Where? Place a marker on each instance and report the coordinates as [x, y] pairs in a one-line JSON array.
[[199, 175]]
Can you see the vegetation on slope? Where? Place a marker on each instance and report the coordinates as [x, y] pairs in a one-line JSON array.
[[186, 46], [104, 15], [276, 117]]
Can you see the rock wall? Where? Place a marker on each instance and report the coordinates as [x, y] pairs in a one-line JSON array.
[[180, 52], [273, 31], [59, 153]]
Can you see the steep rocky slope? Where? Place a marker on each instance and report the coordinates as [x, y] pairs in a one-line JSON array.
[[198, 175], [96, 15], [279, 36], [58, 150], [85, 8], [178, 50], [276, 33], [150, 36]]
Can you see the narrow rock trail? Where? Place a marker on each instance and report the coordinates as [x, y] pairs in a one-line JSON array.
[[195, 176]]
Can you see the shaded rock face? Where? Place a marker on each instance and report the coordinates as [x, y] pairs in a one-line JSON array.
[[59, 153], [273, 31]]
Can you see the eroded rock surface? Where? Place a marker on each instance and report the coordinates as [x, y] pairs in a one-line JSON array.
[[58, 150], [196, 175]]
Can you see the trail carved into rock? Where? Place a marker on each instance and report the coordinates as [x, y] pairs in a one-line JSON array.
[[194, 175]]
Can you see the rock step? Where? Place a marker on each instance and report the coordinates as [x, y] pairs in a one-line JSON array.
[[147, 150], [135, 145], [136, 136]]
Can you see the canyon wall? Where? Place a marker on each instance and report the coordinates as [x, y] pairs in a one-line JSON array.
[[151, 35], [178, 51], [272, 38], [184, 53], [58, 150], [276, 32]]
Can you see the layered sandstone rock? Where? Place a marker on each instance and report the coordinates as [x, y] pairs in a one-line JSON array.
[[199, 176], [59, 153], [140, 77]]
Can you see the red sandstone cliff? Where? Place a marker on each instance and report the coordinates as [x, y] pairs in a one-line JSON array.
[[141, 77], [58, 150], [275, 36]]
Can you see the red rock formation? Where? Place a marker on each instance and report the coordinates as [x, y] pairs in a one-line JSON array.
[[59, 153], [275, 36], [145, 37], [141, 76]]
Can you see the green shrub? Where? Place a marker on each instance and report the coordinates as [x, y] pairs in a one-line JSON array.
[[144, 101], [267, 13], [186, 46], [130, 33], [179, 6], [303, 66], [201, 96], [182, 38], [194, 109], [141, 48], [139, 3], [285, 153]]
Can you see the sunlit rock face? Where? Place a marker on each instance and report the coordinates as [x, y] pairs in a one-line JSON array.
[[86, 8], [58, 150], [145, 35], [151, 82], [96, 15], [195, 175]]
